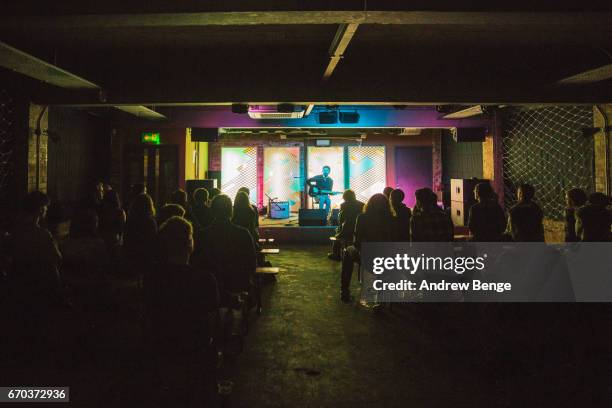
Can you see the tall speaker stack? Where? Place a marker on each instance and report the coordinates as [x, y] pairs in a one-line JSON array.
[[462, 199]]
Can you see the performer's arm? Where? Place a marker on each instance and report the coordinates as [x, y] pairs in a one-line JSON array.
[[311, 180]]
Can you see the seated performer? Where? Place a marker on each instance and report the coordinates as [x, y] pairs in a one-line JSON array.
[[322, 186]]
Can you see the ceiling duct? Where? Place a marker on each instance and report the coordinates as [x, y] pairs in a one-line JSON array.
[[467, 112], [273, 112]]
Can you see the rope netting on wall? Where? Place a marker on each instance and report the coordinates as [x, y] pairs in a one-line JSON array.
[[546, 147], [7, 144]]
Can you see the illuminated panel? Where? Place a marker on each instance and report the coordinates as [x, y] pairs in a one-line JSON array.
[[367, 170], [239, 169], [282, 175], [332, 157]]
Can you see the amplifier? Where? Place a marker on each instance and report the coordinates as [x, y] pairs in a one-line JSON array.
[[279, 210]]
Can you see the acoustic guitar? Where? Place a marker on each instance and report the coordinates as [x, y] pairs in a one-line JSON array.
[[315, 192]]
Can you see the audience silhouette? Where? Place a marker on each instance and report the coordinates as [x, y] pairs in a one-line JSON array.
[[487, 220]]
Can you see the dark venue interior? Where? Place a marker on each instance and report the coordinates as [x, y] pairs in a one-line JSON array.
[[170, 236]]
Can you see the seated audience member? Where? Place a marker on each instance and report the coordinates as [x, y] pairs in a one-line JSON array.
[[36, 259], [402, 215], [524, 225], [201, 208], [575, 198], [387, 191], [168, 211], [487, 220], [244, 216], [140, 236], [593, 220], [525, 195], [226, 250], [349, 210], [248, 193], [112, 219], [429, 223], [375, 224], [179, 301]]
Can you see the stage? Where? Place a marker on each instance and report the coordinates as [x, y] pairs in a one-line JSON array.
[[288, 231]]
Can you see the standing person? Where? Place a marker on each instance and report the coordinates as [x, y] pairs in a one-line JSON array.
[[201, 209], [347, 217], [140, 241], [375, 224], [112, 220], [168, 211], [180, 301], [179, 197], [85, 252], [226, 250], [593, 220], [213, 193], [322, 186], [402, 215], [244, 215], [36, 259], [387, 191], [134, 191], [487, 220], [574, 198], [526, 195], [429, 223]]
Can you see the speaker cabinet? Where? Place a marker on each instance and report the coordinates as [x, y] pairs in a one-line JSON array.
[[460, 212], [328, 118], [463, 189], [469, 134], [204, 134], [311, 217]]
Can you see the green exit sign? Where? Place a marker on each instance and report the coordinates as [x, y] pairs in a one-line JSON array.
[[150, 138]]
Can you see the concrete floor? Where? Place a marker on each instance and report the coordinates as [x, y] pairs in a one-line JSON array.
[[308, 349]]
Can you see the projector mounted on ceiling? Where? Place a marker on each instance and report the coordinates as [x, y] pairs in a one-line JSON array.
[[283, 111]]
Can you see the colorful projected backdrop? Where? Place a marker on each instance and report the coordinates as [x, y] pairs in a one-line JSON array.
[[239, 169], [367, 170], [282, 175], [332, 157]]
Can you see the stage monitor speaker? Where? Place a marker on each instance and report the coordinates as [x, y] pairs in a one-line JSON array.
[[311, 217], [193, 185], [204, 134], [328, 118], [469, 134]]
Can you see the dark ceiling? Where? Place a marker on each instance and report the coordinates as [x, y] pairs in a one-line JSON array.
[[443, 53]]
